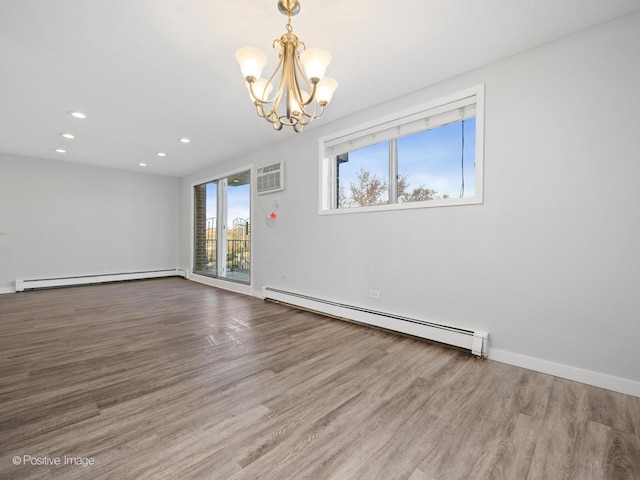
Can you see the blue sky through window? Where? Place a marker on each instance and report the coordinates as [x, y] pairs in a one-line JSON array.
[[433, 158], [238, 201]]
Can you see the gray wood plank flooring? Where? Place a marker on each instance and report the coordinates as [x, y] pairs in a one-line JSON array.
[[171, 379]]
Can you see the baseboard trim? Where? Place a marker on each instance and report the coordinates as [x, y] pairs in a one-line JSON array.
[[34, 284], [597, 379], [7, 290]]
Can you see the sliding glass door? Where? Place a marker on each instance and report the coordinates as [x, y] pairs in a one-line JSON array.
[[222, 228]]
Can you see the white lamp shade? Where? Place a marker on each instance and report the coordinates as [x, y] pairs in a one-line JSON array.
[[295, 106], [261, 89], [251, 61], [315, 62], [325, 89]]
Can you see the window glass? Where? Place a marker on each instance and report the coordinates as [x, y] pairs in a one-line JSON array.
[[437, 164], [363, 176]]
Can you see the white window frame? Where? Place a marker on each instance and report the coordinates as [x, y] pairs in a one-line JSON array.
[[408, 121]]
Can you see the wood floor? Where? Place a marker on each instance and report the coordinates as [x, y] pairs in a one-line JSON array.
[[166, 379]]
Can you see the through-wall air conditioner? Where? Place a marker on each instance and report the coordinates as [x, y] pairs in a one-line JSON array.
[[270, 178]]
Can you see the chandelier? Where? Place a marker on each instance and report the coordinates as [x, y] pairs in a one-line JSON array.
[[303, 90]]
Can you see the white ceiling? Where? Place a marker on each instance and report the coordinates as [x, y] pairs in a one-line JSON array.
[[147, 72]]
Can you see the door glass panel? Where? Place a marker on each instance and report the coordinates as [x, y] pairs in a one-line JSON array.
[[205, 228], [238, 236]]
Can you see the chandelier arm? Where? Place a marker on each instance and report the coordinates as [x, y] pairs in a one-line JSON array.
[[260, 110], [267, 100], [312, 95], [304, 121], [309, 84], [321, 111], [255, 98], [281, 59], [278, 95], [276, 100], [307, 118], [297, 95], [310, 115]]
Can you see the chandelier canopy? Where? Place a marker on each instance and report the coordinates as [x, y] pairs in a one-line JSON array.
[[303, 90]]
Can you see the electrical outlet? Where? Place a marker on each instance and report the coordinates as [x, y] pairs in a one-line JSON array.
[[285, 276], [374, 294], [102, 267]]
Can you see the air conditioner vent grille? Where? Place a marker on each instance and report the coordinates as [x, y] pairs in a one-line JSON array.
[[269, 178]]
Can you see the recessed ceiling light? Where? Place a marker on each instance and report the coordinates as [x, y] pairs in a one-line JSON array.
[[161, 154], [68, 136], [185, 140], [142, 164], [77, 114], [60, 150]]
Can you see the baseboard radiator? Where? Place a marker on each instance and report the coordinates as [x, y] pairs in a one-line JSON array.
[[22, 285], [473, 340]]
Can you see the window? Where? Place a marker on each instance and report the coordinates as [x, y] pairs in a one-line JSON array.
[[428, 156], [221, 243]]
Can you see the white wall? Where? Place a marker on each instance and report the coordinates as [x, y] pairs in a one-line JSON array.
[[63, 219], [549, 263]]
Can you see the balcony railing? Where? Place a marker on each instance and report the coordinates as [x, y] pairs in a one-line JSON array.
[[238, 247]]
